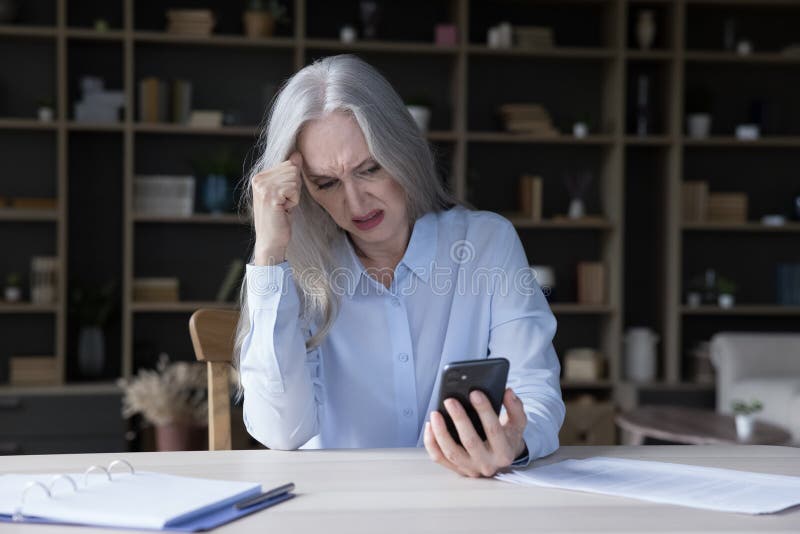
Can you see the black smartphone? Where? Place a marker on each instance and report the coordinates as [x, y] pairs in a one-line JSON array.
[[459, 379]]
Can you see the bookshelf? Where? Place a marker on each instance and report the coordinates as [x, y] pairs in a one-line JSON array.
[[638, 233]]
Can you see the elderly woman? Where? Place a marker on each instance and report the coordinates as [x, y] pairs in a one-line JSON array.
[[366, 280]]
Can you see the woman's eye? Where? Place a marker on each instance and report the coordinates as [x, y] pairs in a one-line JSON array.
[[326, 185], [373, 169]]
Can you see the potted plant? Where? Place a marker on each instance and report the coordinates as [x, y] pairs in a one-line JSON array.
[[420, 109], [92, 308], [726, 290], [13, 289], [744, 414], [261, 17], [173, 398], [216, 174], [698, 112]]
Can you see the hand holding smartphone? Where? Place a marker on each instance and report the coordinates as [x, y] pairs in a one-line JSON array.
[[461, 378]]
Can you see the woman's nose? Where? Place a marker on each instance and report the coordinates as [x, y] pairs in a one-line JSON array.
[[354, 197]]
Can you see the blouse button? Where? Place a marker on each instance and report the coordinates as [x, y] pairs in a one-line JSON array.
[[395, 302], [403, 357], [407, 412]]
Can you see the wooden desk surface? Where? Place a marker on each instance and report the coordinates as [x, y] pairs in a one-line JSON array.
[[400, 490]]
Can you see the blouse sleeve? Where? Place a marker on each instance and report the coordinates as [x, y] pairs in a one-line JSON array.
[[280, 378], [522, 330]]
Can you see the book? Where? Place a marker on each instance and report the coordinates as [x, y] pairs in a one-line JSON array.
[[591, 283], [181, 101], [127, 498], [694, 201], [149, 99], [530, 196]]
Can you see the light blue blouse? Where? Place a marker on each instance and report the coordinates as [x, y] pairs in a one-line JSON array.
[[463, 290]]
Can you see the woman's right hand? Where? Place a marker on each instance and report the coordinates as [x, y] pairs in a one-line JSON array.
[[275, 192]]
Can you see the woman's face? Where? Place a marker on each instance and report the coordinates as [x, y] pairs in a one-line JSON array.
[[353, 188]]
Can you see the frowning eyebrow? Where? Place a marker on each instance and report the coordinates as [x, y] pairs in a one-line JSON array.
[[315, 176]]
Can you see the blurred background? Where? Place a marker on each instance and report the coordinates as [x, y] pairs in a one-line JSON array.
[[647, 152]]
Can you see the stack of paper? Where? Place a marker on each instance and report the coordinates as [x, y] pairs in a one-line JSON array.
[[687, 485]]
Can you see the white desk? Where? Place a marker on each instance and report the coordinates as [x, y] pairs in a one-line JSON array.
[[400, 490]]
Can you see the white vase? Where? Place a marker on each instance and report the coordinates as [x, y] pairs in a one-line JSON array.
[[45, 114], [645, 29], [744, 426], [576, 209], [421, 115], [12, 294], [91, 351], [726, 300], [640, 354], [699, 125]]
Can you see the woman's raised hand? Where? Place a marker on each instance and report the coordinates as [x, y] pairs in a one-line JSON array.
[[275, 192]]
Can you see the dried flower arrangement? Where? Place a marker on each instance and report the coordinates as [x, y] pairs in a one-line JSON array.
[[175, 392]]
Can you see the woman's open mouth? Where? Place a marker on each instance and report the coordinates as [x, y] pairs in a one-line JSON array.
[[369, 221]]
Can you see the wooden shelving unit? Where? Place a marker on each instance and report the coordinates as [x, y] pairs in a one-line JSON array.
[[465, 137]]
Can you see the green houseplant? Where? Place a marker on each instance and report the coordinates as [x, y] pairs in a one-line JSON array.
[[744, 416], [92, 307], [726, 292], [261, 16]]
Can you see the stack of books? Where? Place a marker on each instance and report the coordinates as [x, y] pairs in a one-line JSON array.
[[531, 37], [155, 289], [33, 371], [194, 22], [727, 208], [694, 201], [165, 101], [528, 118], [169, 196]]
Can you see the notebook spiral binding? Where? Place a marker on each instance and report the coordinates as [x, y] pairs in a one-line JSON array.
[[48, 489]]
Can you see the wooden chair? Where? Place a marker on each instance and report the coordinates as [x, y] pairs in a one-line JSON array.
[[212, 333]]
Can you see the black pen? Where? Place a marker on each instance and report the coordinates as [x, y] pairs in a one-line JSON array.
[[280, 490]]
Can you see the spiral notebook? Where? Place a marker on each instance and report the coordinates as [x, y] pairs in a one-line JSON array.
[[119, 496]]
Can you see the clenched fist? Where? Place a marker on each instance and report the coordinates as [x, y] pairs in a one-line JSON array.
[[275, 192]]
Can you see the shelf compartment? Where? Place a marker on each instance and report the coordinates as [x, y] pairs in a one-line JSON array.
[[39, 32], [555, 52], [12, 214], [507, 137], [381, 46], [562, 224], [220, 40], [580, 309], [179, 307], [754, 310], [750, 227], [197, 218], [789, 141], [28, 307]]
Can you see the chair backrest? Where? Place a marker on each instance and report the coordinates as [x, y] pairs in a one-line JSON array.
[[212, 333]]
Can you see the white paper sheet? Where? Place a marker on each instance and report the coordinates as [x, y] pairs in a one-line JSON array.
[[709, 488]]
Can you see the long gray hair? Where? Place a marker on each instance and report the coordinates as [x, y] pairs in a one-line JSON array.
[[339, 83]]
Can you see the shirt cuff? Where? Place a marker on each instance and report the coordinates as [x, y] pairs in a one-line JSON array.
[[266, 284], [530, 452]]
